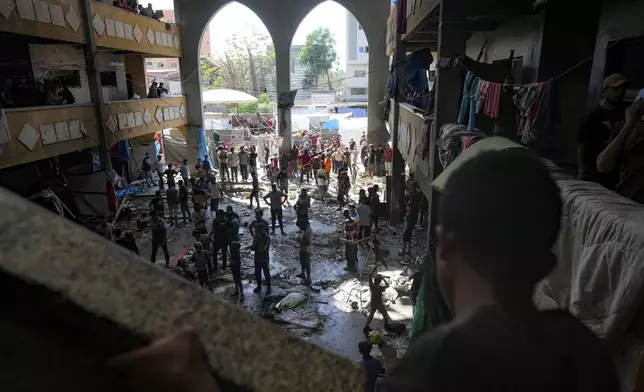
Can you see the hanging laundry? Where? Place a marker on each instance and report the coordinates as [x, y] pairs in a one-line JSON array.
[[469, 101], [492, 98], [417, 88], [455, 139], [480, 103], [538, 110]]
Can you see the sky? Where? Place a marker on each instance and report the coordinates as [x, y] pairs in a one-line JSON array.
[[226, 23]]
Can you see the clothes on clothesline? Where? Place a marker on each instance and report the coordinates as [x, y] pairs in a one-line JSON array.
[[479, 96], [538, 110], [454, 139]]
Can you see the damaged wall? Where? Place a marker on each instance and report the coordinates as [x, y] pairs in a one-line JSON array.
[[67, 63]]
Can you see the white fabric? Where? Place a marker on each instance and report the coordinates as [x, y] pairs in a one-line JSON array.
[[600, 274], [223, 96]]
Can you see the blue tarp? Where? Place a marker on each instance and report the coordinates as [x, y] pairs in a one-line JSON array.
[[332, 124], [130, 190], [355, 112], [202, 145]]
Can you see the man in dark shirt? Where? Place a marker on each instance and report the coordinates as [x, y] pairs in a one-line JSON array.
[[159, 238], [252, 160], [183, 201], [261, 246], [372, 367], [170, 174], [220, 240], [254, 194], [259, 224], [625, 154], [276, 199], [487, 270], [597, 130]]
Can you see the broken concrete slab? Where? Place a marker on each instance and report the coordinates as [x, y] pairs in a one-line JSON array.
[[133, 302]]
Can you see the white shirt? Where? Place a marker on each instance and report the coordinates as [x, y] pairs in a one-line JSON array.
[[214, 190], [322, 177], [233, 159]]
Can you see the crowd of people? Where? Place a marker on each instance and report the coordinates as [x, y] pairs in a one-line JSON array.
[[133, 6]]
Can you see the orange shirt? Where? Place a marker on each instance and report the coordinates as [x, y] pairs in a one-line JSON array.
[[327, 165]]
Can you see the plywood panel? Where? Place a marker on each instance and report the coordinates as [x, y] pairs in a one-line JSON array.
[[15, 24], [131, 108], [410, 137], [143, 23], [392, 29], [16, 153]]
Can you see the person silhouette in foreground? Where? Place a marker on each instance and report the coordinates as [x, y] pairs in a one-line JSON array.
[[491, 254]]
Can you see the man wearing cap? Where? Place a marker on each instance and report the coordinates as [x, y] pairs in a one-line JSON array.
[[599, 128]]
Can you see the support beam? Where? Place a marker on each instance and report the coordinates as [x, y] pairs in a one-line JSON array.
[[96, 93], [283, 73], [398, 163], [378, 76], [135, 68], [452, 35]]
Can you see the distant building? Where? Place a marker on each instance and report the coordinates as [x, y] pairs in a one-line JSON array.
[[357, 61], [312, 96], [166, 69]]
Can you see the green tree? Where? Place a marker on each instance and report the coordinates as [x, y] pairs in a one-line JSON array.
[[319, 56], [209, 74], [248, 62]]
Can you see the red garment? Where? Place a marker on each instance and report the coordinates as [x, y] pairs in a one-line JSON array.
[[314, 140], [305, 159], [389, 154], [493, 96], [274, 160]]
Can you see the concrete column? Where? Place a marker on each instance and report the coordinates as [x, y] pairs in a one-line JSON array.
[[283, 73], [135, 68], [398, 162], [452, 36], [191, 33], [378, 75]]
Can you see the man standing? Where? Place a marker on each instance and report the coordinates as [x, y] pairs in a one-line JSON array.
[[205, 164], [624, 155], [305, 161], [254, 194], [220, 240], [599, 128], [183, 202], [276, 200], [232, 227], [158, 167], [364, 214], [351, 244], [338, 160], [372, 367], [377, 304], [200, 258], [371, 161], [389, 156], [374, 202], [261, 246], [380, 161], [159, 238], [222, 157], [243, 163], [252, 160], [259, 224], [147, 169], [282, 182], [306, 240], [214, 188], [172, 198], [156, 204], [233, 164], [170, 175], [200, 218], [344, 185], [322, 182], [302, 206], [185, 172], [327, 167], [204, 239]]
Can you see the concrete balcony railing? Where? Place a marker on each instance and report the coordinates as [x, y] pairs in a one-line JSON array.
[[128, 119], [113, 27], [410, 144], [47, 131], [119, 29], [53, 19]]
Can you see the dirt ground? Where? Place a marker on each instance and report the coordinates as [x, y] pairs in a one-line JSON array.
[[335, 310]]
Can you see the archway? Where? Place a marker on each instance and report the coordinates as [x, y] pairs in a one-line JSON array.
[[329, 65]]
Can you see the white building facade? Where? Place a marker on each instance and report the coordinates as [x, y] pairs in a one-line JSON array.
[[357, 61]]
